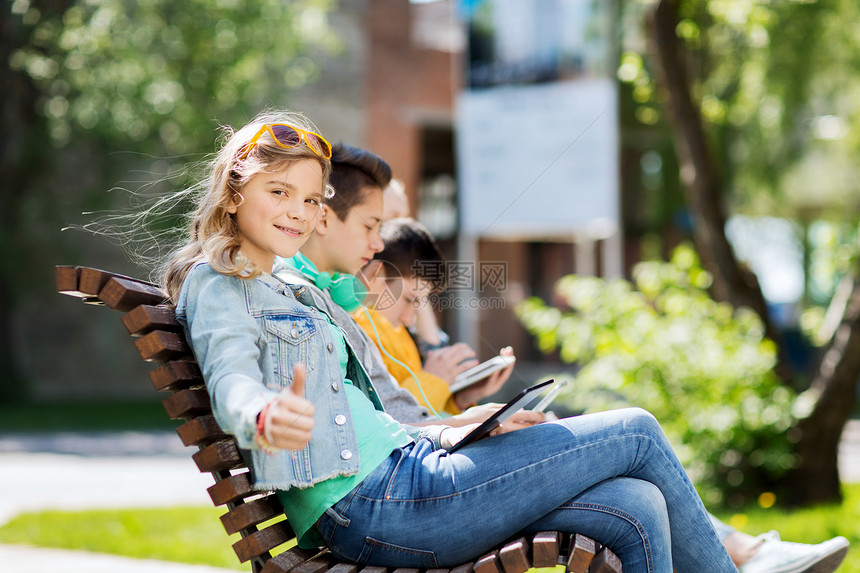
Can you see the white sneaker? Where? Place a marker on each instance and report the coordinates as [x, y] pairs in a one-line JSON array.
[[777, 556]]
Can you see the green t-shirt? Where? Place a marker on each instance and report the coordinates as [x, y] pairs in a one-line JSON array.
[[378, 434]]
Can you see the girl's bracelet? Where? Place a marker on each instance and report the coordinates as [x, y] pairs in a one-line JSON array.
[[260, 439]]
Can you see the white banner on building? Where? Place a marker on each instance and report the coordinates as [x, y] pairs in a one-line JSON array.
[[539, 160]]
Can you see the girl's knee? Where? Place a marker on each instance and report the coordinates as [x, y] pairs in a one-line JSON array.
[[647, 505], [637, 503], [643, 520], [641, 420], [632, 519]]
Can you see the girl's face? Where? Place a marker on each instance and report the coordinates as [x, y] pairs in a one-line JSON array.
[[278, 210], [351, 243]]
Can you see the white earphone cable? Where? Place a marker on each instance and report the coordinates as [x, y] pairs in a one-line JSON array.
[[384, 351]]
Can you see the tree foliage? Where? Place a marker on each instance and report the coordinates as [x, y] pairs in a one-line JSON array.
[[96, 90], [776, 84], [753, 93], [161, 75], [702, 368]]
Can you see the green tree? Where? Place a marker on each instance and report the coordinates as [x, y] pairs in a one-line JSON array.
[[84, 79], [755, 96]]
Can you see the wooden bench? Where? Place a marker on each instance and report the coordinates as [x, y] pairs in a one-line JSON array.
[[258, 517]]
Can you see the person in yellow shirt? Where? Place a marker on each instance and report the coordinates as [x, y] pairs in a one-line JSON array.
[[395, 291]]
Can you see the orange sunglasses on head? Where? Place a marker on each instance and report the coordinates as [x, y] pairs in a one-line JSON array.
[[288, 136]]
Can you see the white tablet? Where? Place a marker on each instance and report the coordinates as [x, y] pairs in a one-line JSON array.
[[477, 373]]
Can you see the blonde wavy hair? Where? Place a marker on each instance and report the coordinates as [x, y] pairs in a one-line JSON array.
[[213, 235]]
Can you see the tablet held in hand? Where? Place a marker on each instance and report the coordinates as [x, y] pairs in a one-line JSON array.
[[478, 373]]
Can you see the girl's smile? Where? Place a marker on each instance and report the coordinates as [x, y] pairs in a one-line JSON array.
[[294, 232]]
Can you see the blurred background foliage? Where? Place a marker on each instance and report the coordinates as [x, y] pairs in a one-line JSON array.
[[743, 108], [703, 369], [775, 83], [86, 80], [160, 74]]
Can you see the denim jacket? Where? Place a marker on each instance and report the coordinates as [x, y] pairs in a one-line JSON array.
[[398, 401], [246, 335]]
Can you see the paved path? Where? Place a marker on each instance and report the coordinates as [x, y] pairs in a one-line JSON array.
[[82, 470], [20, 559], [136, 470]]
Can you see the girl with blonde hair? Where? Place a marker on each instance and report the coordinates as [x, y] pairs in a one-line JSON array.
[[214, 235]]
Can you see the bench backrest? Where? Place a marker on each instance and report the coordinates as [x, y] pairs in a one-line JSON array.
[[159, 338]]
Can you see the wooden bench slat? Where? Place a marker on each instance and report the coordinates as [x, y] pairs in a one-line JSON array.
[[187, 403], [92, 280], [218, 457], [176, 375], [353, 568], [123, 294], [145, 318], [464, 568], [67, 278], [161, 346], [201, 431], [406, 570], [231, 489], [606, 562], [319, 564], [582, 551], [286, 561], [262, 541], [545, 548], [515, 556], [489, 563], [371, 569], [251, 513]]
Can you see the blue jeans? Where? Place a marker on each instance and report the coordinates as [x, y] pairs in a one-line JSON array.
[[612, 476], [723, 529]]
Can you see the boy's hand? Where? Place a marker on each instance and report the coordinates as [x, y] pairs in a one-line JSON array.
[[449, 361], [290, 418], [487, 387]]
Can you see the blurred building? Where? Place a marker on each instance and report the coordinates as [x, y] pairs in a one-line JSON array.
[[396, 90]]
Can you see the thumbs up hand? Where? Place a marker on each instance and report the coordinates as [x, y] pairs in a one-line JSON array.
[[290, 417]]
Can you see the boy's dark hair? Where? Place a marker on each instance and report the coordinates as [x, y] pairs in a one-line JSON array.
[[353, 170], [412, 251]]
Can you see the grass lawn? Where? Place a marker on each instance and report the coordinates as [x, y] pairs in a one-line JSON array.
[[194, 534], [84, 416], [811, 525], [182, 534]]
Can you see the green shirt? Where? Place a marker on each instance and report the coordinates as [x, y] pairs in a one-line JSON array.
[[378, 435]]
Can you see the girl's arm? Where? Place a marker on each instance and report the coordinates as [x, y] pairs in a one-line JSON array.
[[226, 343]]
